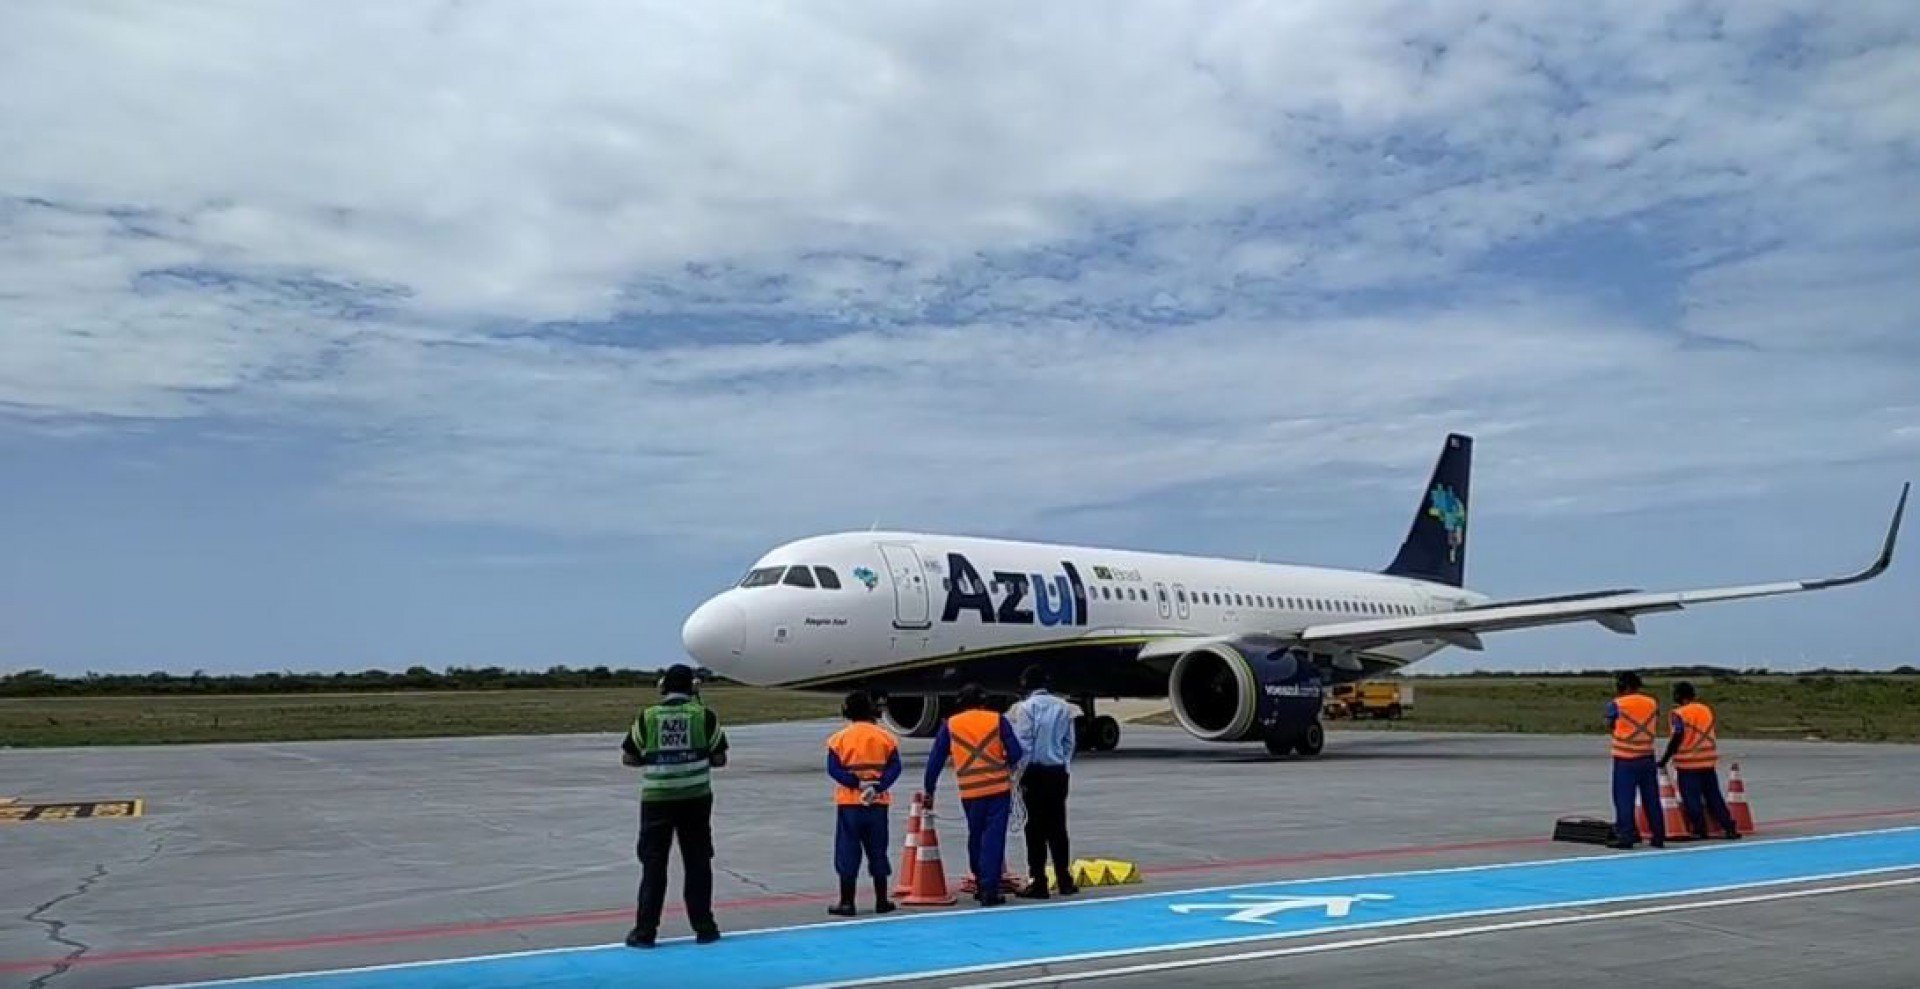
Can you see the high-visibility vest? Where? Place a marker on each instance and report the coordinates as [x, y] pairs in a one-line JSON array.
[[674, 748], [864, 749], [1700, 746], [979, 760], [1633, 728]]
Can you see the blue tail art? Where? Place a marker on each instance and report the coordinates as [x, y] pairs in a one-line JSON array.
[[1436, 545]]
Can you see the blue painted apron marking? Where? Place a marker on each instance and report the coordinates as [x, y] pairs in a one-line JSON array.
[[969, 939]]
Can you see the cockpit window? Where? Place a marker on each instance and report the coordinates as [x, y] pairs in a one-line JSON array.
[[762, 577], [799, 577], [828, 579]]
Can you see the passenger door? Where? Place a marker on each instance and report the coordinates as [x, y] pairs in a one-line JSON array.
[[1166, 601], [912, 601], [1180, 601]]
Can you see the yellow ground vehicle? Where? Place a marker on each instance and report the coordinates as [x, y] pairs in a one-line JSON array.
[[1381, 699]]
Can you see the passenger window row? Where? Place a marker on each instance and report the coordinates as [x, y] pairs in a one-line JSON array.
[[1274, 602], [796, 576], [825, 578]]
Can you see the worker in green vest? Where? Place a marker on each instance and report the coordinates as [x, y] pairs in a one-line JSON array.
[[675, 743]]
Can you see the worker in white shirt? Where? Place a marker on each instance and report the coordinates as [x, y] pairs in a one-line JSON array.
[[1043, 724]]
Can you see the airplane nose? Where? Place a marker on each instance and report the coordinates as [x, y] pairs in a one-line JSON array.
[[715, 633]]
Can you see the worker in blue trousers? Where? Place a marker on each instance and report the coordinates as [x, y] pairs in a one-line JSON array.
[[1695, 749], [1633, 717], [984, 750], [863, 759]]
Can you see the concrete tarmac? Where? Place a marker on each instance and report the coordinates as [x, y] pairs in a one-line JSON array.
[[260, 859]]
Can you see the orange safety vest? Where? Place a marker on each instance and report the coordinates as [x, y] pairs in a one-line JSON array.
[[864, 749], [1700, 747], [1633, 729], [979, 760]]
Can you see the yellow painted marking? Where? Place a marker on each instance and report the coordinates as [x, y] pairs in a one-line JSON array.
[[14, 812]]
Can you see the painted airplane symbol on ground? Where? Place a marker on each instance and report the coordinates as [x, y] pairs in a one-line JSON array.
[[1256, 909]]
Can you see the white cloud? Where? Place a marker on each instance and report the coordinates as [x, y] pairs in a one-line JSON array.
[[86, 335], [1011, 200], [992, 425]]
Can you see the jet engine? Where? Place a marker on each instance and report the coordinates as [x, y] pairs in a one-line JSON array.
[[1243, 691], [915, 715]]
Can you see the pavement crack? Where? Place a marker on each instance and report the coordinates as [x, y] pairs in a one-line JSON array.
[[57, 929], [158, 845], [755, 883]]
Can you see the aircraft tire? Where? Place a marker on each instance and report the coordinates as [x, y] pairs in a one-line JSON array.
[[1311, 741], [1106, 733], [1278, 745]]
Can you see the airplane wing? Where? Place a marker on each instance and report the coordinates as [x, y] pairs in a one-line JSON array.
[[1614, 610]]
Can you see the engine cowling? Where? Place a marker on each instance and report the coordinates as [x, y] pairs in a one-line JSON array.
[[915, 715], [1236, 692]]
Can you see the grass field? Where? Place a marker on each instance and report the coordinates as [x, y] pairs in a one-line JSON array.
[[292, 717], [1846, 708], [1853, 708]]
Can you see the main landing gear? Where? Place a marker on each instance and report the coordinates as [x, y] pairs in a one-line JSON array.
[[1094, 732], [1307, 741]]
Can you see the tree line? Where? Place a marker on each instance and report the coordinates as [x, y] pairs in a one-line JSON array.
[[40, 683], [1722, 673]]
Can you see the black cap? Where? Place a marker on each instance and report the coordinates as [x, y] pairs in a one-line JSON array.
[[678, 679], [858, 707], [972, 696], [1035, 678], [1627, 680]]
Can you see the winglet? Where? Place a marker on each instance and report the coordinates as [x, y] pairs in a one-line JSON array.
[[1880, 565]]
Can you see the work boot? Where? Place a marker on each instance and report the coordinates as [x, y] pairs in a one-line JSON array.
[[706, 935], [638, 938], [992, 900], [1657, 843], [1731, 836], [1620, 843], [882, 903], [844, 908], [1036, 890], [1068, 887]]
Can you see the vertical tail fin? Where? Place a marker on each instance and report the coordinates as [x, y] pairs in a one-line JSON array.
[[1436, 545]]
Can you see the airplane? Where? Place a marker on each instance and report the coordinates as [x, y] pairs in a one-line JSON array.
[[1244, 651]]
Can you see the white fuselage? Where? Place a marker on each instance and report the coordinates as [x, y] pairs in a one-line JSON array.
[[908, 600]]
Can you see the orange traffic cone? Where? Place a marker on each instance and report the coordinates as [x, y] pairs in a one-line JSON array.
[[1670, 809], [1737, 801], [1671, 820], [929, 876], [910, 858]]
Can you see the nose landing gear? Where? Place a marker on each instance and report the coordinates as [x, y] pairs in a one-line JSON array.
[[1093, 732]]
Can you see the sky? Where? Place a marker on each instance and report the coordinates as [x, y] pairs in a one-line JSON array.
[[374, 334]]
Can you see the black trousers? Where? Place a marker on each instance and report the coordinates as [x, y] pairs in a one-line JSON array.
[[1043, 789], [662, 821]]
